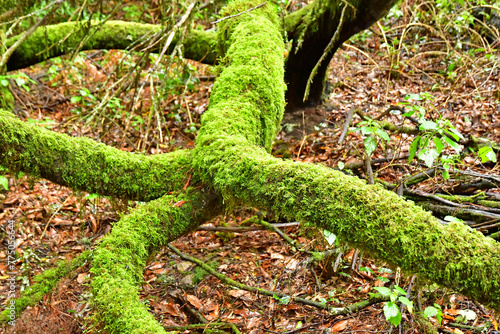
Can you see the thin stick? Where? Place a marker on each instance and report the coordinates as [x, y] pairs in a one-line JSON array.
[[51, 217], [242, 229], [246, 11], [241, 286], [328, 48]]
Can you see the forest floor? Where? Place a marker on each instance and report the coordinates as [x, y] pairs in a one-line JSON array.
[[52, 222]]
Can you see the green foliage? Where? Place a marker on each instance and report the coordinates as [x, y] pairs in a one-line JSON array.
[[372, 130], [391, 308], [21, 79], [4, 182], [436, 135], [434, 311], [486, 154]]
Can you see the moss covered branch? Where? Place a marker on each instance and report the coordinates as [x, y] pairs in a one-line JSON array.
[[82, 163], [119, 260], [231, 154], [55, 40]]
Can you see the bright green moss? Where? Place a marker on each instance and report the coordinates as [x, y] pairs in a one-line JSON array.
[[120, 258], [55, 40], [44, 283], [82, 163]]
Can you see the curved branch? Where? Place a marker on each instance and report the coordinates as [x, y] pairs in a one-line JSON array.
[[381, 223], [119, 260], [84, 164], [58, 39]]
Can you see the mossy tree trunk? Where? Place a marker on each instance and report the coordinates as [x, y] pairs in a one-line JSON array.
[[231, 166], [313, 31]]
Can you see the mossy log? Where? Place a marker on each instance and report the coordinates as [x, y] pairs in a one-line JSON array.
[[119, 260], [81, 163], [58, 39], [232, 157]]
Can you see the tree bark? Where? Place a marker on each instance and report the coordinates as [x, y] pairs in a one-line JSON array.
[[311, 36], [58, 39]]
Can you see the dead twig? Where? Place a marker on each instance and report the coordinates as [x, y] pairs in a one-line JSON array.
[[235, 15]]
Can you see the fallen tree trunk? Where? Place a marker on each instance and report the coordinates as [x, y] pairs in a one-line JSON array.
[[366, 216], [231, 156], [59, 39]]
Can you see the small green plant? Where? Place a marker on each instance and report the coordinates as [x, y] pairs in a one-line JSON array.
[[372, 130], [4, 181], [434, 311], [21, 79], [486, 154], [85, 96], [391, 308], [436, 135], [282, 300]]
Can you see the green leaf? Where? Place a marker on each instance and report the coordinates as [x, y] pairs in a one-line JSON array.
[[382, 134], [4, 182], [454, 145], [392, 314], [453, 219], [428, 125], [430, 311], [340, 165], [20, 82], [439, 144], [486, 153], [416, 97], [366, 130], [413, 148], [456, 133], [91, 196], [370, 145], [408, 303], [390, 310], [383, 290], [330, 237], [428, 155], [76, 99], [445, 174], [4, 82], [395, 320], [409, 113], [400, 290]]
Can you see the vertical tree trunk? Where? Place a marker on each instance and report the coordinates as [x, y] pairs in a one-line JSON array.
[[314, 32]]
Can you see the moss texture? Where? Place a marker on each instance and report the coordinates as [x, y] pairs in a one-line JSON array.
[[245, 101], [44, 283], [82, 163], [120, 258], [58, 39]]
